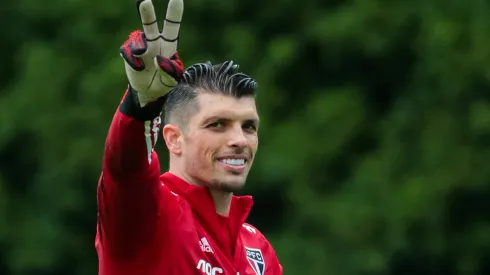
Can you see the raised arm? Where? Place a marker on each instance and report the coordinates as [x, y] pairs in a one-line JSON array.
[[129, 188], [128, 191]]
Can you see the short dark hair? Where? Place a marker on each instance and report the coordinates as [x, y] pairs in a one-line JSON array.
[[224, 78]]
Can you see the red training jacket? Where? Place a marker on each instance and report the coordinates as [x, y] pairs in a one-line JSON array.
[[152, 224]]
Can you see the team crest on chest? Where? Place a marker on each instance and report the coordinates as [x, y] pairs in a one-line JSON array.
[[256, 260]]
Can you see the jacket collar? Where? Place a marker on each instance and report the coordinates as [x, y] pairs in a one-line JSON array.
[[202, 204]]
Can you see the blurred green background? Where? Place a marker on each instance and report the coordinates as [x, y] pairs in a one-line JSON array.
[[374, 145]]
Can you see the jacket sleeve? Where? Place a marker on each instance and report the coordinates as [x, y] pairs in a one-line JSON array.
[[129, 192], [278, 266], [279, 269]]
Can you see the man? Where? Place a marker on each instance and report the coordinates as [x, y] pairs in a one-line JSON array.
[[186, 221]]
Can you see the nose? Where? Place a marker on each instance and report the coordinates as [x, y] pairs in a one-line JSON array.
[[237, 138]]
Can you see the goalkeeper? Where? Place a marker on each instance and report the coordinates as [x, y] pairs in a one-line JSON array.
[[186, 221]]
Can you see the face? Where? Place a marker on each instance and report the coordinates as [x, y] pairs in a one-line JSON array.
[[220, 142]]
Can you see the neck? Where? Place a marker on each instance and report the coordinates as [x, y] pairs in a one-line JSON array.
[[222, 199]]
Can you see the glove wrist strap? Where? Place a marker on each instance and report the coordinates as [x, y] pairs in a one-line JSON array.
[[130, 106]]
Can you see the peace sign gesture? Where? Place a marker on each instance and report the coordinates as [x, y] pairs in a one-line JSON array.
[[153, 66]]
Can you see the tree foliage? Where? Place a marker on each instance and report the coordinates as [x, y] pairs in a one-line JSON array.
[[374, 139]]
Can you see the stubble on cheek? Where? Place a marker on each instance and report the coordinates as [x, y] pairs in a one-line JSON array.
[[203, 167]]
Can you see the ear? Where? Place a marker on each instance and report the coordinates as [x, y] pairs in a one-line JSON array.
[[172, 136]]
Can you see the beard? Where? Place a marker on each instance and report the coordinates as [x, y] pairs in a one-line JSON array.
[[228, 186]]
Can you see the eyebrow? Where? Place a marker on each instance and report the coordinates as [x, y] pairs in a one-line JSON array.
[[220, 118]]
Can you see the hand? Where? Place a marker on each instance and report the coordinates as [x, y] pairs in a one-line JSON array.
[[153, 66]]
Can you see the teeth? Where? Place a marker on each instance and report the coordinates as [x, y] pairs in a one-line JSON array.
[[234, 162]]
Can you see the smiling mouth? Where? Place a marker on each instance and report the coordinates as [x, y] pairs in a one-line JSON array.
[[237, 162]]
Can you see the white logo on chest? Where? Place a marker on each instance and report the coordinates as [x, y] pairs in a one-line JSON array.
[[205, 247]]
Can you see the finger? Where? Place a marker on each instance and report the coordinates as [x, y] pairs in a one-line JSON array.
[[171, 27], [149, 20], [126, 53], [172, 67], [137, 43], [169, 72]]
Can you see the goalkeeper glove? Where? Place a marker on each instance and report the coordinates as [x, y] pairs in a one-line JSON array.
[[151, 74]]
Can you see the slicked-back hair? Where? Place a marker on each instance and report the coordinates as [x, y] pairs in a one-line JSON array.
[[224, 78]]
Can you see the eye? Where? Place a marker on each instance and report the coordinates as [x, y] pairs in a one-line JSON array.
[[216, 125], [250, 127]]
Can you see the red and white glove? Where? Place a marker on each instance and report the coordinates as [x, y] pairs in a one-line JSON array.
[[153, 66]]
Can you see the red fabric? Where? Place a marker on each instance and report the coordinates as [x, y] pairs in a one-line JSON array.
[[152, 224]]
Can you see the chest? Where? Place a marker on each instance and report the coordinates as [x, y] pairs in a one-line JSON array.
[[204, 253]]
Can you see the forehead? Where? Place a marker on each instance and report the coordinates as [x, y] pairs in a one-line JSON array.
[[215, 104]]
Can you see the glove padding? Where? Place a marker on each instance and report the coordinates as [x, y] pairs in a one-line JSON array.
[[150, 75]]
